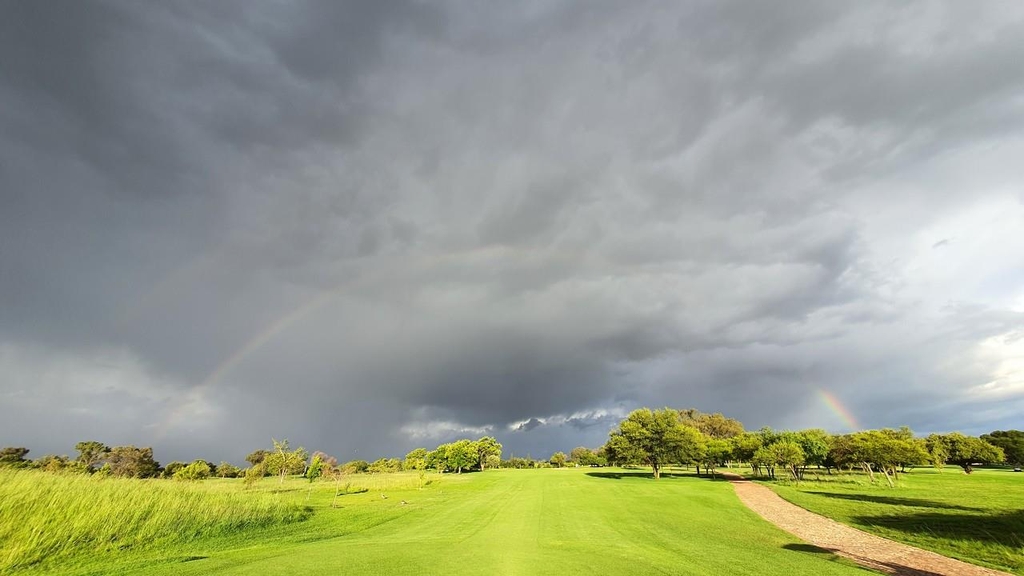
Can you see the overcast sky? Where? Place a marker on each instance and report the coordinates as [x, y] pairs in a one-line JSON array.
[[371, 226]]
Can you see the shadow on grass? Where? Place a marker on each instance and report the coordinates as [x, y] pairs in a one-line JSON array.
[[1006, 529], [650, 475], [866, 564], [896, 501], [809, 548]]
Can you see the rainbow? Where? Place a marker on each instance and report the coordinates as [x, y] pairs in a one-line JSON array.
[[838, 409], [197, 395]]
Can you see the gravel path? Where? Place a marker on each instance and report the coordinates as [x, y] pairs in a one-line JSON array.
[[863, 548]]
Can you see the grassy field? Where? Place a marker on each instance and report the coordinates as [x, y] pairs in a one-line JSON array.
[[571, 521], [977, 518], [60, 519]]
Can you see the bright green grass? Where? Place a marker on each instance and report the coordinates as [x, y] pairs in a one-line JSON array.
[[977, 518], [46, 517], [571, 521]]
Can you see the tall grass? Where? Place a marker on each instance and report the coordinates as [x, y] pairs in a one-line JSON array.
[[48, 517], [394, 481]]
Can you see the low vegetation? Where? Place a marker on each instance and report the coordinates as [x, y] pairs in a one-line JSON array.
[[59, 517]]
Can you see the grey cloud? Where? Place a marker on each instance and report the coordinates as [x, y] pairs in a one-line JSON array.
[[371, 226], [529, 425]]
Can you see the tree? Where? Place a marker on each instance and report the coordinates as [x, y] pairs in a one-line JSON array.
[[486, 447], [54, 463], [557, 459], [788, 454], [744, 447], [91, 453], [656, 438], [711, 425], [785, 453], [717, 451], [493, 461], [935, 447], [315, 468], [257, 456], [416, 459], [355, 467], [437, 459], [14, 456], [580, 456], [815, 444], [283, 461], [966, 451], [228, 470], [884, 450], [385, 466], [462, 455], [197, 470], [132, 462], [171, 469], [1011, 442], [254, 474]]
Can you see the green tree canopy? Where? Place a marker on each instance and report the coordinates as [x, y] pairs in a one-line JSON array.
[[462, 455], [283, 461], [385, 466], [656, 438], [91, 453], [14, 456], [557, 459], [1010, 441], [485, 447], [416, 459], [257, 456], [132, 462], [197, 470], [228, 470], [711, 425], [966, 451]]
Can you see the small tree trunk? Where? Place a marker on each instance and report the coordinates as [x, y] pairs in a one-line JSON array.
[[657, 470], [871, 474], [887, 477]]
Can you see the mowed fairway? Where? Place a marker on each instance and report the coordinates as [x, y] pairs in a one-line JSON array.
[[569, 521]]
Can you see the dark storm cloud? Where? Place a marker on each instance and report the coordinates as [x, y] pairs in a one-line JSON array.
[[367, 226]]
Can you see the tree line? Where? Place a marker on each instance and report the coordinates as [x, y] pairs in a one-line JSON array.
[[655, 438], [281, 460], [659, 438]]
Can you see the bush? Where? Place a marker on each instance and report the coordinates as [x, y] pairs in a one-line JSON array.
[[355, 467], [227, 470], [254, 474], [198, 470], [385, 465]]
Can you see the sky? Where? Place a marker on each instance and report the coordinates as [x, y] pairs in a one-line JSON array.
[[371, 226]]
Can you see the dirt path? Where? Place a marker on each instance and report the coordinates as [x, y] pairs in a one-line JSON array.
[[863, 548]]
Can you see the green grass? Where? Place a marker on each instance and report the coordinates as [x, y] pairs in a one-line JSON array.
[[572, 521], [55, 519], [977, 518]]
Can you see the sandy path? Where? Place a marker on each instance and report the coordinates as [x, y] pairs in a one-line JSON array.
[[863, 548]]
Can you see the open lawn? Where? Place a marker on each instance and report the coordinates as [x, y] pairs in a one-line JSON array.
[[977, 518], [569, 521]]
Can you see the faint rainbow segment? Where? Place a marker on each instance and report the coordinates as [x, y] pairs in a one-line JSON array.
[[839, 409]]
